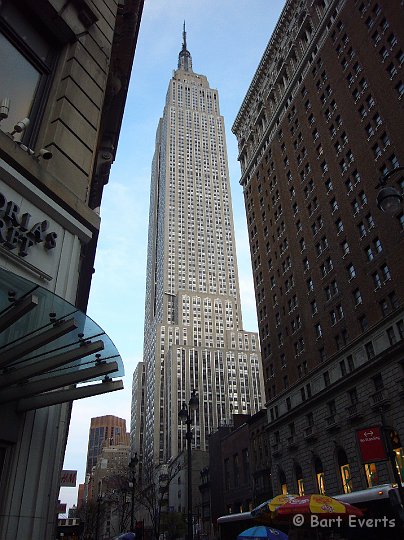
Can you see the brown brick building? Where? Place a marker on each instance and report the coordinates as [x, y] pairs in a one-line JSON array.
[[321, 122], [238, 476]]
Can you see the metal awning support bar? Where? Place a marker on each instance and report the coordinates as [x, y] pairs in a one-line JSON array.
[[34, 343], [18, 310], [36, 368], [52, 383], [70, 394]]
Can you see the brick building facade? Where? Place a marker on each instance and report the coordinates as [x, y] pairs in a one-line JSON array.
[[321, 122]]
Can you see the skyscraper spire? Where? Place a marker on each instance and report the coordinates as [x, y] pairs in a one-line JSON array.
[[184, 38], [184, 58]]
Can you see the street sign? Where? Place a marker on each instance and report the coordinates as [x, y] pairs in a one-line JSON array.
[[371, 444]]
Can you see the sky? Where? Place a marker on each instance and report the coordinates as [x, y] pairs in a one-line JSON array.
[[226, 39]]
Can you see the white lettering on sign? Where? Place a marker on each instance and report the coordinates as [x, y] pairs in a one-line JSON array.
[[20, 232]]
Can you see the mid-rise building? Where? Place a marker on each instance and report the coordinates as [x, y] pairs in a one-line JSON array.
[[110, 487], [238, 475], [105, 431], [320, 124], [193, 334]]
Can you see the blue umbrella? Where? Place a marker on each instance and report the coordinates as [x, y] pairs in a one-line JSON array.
[[127, 536], [260, 532]]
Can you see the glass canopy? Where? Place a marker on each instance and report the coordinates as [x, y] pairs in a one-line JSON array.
[[36, 325]]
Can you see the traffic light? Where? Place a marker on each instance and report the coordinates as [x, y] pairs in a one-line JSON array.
[[139, 530]]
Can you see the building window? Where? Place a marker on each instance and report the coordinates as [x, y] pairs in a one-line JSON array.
[[371, 474], [357, 297], [353, 396], [236, 471], [333, 205], [328, 185], [370, 351], [299, 480], [362, 230], [322, 354], [394, 301], [351, 271], [400, 89], [378, 382], [384, 307], [313, 306], [351, 363], [400, 328], [339, 226], [378, 245], [226, 474], [363, 321], [345, 248], [391, 335], [319, 471], [386, 273], [376, 280], [369, 253], [29, 63], [246, 465], [345, 472]]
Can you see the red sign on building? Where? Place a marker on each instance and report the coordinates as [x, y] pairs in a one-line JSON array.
[[371, 444], [68, 479], [61, 508]]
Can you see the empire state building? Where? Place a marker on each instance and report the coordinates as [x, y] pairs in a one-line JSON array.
[[193, 333]]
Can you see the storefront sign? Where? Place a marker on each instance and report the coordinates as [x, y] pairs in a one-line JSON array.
[[61, 508], [371, 444], [68, 479], [21, 232]]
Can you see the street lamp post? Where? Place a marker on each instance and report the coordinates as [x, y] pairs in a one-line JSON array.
[[97, 523], [389, 199], [392, 456], [132, 466], [185, 415]]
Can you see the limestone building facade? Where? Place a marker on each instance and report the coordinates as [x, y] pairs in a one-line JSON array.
[[65, 70], [193, 337]]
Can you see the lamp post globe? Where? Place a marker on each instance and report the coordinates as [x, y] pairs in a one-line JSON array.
[[389, 200], [193, 401], [183, 414]]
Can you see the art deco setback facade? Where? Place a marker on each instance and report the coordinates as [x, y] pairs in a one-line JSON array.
[[193, 328], [65, 68], [321, 122]]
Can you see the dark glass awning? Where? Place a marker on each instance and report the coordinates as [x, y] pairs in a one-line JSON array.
[[48, 346]]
